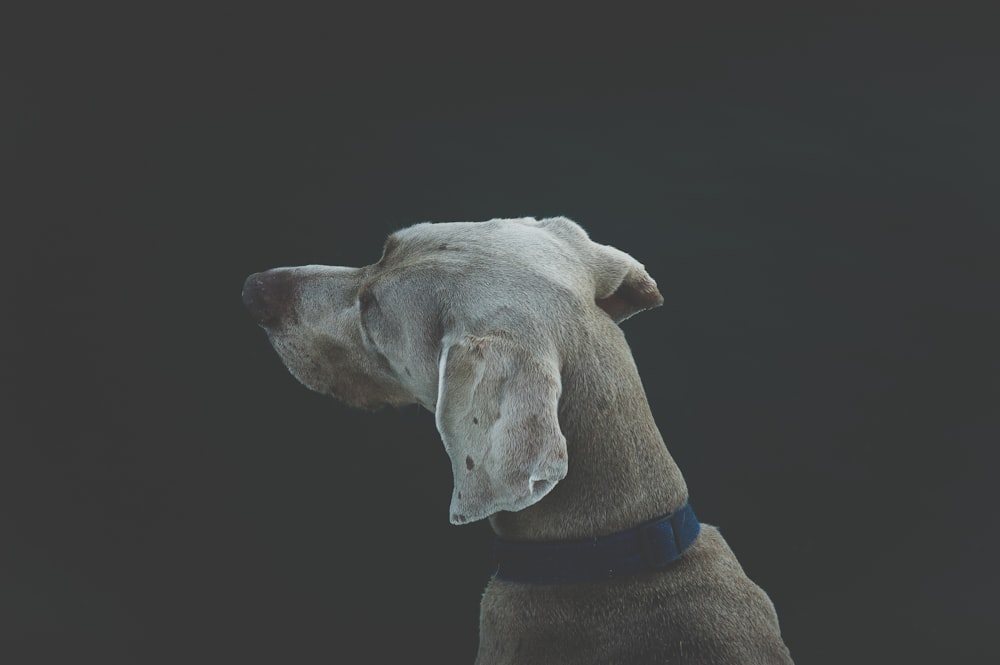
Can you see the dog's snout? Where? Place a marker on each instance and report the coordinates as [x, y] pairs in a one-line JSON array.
[[269, 296]]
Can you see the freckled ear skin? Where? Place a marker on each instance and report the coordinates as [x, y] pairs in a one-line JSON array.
[[497, 415]]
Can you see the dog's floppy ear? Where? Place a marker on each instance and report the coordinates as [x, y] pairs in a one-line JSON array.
[[497, 415], [623, 287]]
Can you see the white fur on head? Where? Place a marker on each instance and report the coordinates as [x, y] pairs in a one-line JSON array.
[[464, 318], [496, 412]]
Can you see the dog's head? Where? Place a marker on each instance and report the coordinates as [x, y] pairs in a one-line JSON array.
[[466, 319]]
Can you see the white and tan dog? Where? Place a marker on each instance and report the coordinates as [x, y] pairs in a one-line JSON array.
[[507, 331]]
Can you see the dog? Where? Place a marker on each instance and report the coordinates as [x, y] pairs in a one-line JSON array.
[[507, 330]]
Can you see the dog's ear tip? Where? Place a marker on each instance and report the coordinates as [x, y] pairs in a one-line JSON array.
[[631, 297], [622, 285]]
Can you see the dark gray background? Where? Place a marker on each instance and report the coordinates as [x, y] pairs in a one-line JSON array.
[[814, 191]]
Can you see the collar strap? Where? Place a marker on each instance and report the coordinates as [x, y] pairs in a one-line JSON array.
[[649, 546]]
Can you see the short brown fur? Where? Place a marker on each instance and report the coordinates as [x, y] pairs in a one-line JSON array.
[[511, 338]]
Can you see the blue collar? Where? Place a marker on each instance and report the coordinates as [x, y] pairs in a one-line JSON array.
[[646, 547]]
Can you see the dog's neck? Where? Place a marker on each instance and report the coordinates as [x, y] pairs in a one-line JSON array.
[[620, 472]]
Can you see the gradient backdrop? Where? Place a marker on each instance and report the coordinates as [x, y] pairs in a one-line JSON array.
[[814, 191]]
